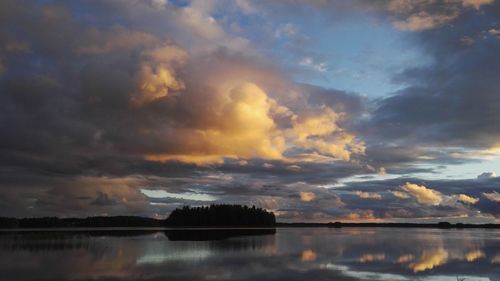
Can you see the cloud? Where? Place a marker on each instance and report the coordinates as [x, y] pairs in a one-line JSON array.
[[423, 21], [152, 95], [467, 199], [156, 78], [116, 39], [307, 196], [424, 195], [243, 128], [366, 258], [368, 195], [476, 3], [400, 194], [318, 66], [486, 175], [406, 258], [360, 215], [184, 105], [103, 199], [492, 196], [428, 14]]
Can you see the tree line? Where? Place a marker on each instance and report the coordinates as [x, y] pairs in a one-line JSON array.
[[207, 216]]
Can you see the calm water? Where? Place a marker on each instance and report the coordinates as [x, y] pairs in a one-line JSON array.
[[289, 254]]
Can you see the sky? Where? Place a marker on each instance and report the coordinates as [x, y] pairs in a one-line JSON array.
[[318, 110]]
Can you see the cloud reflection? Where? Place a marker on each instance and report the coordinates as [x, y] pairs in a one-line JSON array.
[[290, 254]]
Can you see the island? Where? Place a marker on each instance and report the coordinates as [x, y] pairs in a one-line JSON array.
[[221, 216]]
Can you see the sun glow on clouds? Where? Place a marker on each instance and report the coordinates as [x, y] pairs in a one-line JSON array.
[[431, 197], [424, 195], [243, 126], [467, 199]]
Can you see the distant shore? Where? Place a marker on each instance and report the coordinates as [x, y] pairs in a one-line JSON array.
[[389, 224], [131, 222]]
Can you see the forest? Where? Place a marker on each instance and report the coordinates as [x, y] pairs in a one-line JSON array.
[[221, 215]]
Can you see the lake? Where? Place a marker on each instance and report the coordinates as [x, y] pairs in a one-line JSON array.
[[289, 254]]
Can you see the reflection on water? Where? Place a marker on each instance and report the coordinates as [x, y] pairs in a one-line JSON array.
[[288, 254], [210, 234]]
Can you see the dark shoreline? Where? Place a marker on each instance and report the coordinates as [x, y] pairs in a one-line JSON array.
[[391, 225], [130, 222]]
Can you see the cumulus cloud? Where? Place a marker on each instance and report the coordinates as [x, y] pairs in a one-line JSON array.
[[422, 194], [188, 105], [467, 199], [156, 76]]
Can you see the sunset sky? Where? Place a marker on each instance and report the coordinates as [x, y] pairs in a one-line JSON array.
[[384, 110]]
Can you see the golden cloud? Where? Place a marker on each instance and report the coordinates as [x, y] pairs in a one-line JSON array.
[[467, 199], [156, 76], [400, 194], [218, 107], [424, 195], [242, 128], [307, 196], [241, 124]]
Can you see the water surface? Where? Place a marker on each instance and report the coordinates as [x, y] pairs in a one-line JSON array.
[[285, 254]]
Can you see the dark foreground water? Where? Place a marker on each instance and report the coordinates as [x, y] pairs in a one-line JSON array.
[[289, 254]]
